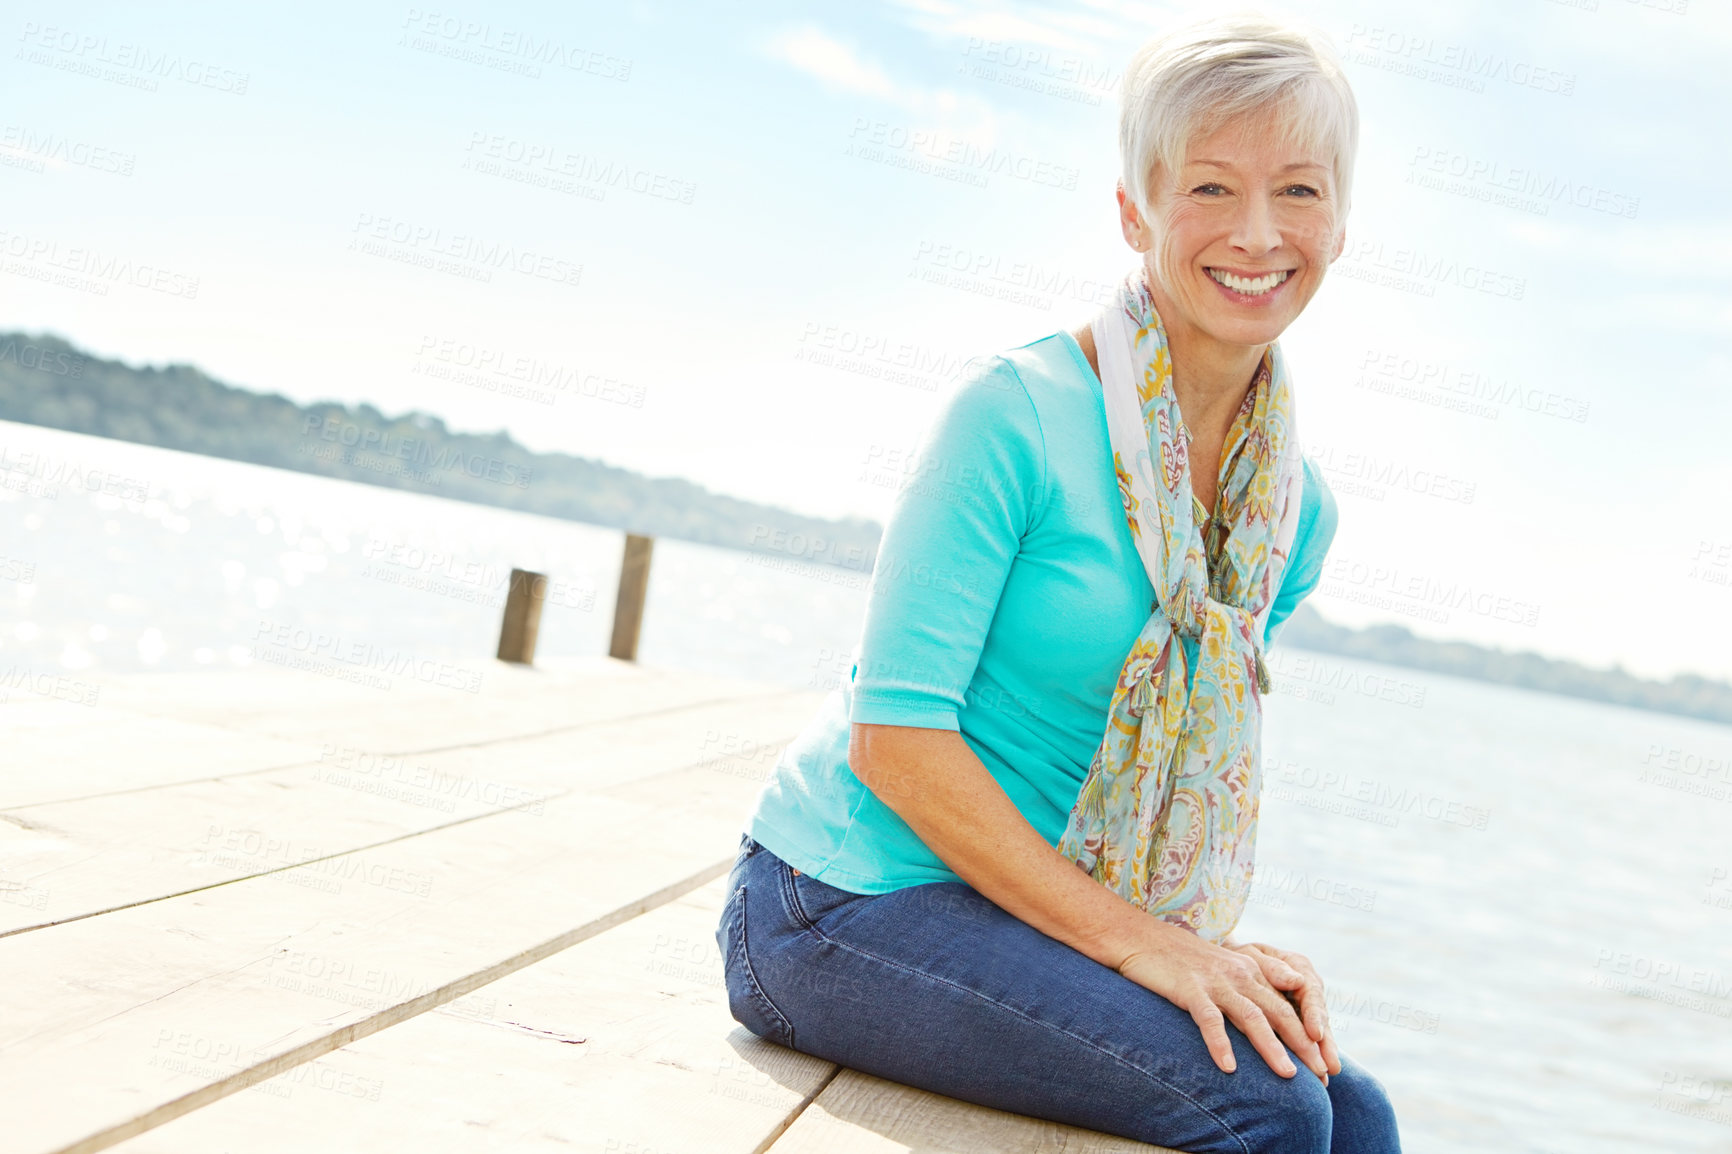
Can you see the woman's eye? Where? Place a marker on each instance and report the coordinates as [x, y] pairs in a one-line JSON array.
[[1209, 189], [1302, 189]]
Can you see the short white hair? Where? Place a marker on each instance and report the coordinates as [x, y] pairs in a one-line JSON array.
[[1188, 83]]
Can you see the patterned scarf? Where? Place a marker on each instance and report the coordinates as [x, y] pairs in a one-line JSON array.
[[1167, 816]]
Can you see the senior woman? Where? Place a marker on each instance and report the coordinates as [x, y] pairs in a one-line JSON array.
[[1004, 861]]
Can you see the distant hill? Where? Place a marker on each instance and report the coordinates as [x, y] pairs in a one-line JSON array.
[[1686, 694], [46, 381]]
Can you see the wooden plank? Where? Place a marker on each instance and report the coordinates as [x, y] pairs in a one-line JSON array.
[[860, 1114], [739, 737], [513, 701], [283, 972], [622, 1043], [54, 754], [83, 858], [283, 979], [80, 752], [80, 858]]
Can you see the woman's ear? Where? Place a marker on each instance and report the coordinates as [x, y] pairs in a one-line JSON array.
[[1340, 245], [1131, 222]]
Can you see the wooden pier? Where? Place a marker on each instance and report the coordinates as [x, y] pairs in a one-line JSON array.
[[271, 910]]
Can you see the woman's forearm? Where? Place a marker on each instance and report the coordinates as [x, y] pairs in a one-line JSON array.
[[935, 783]]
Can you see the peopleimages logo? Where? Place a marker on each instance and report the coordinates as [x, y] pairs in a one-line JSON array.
[[1662, 979], [140, 65], [1545, 188], [37, 149], [1016, 281], [1453, 64], [416, 452], [554, 166], [1038, 69], [938, 153], [91, 269], [54, 473], [1391, 587], [463, 254], [1411, 270], [57, 363], [1461, 388], [447, 34], [328, 653]]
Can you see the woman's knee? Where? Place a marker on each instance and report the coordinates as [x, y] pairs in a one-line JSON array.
[[1286, 1115], [1250, 1111], [1364, 1118], [1352, 1115]]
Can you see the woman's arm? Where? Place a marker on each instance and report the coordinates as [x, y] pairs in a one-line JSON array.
[[936, 784]]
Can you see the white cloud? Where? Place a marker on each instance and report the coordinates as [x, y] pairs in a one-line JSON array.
[[1073, 32], [838, 66], [937, 112]]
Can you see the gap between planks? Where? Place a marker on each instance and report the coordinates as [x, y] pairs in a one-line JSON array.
[[384, 1019], [297, 864], [647, 1001], [775, 1135], [574, 727], [691, 706]]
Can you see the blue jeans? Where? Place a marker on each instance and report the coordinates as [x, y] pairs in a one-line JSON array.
[[934, 986]]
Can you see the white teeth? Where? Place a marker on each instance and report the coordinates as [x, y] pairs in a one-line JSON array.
[[1250, 287]]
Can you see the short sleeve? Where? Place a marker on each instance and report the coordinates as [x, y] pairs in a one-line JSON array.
[[1311, 540], [968, 496]]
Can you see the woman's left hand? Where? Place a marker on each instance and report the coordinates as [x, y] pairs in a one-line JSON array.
[[1293, 975]]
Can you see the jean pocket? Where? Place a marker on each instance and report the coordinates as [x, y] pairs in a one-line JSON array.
[[748, 1003], [810, 900]]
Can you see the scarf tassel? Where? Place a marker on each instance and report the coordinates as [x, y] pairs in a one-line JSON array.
[[1142, 695], [1143, 692]]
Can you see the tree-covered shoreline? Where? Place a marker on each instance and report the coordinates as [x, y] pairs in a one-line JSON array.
[[1687, 694], [45, 380]]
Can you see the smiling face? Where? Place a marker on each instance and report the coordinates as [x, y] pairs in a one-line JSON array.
[[1239, 238]]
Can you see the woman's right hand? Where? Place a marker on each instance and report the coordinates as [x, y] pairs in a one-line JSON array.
[[1215, 985], [936, 783]]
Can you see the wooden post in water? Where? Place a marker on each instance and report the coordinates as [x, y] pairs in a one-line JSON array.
[[633, 587], [522, 616]]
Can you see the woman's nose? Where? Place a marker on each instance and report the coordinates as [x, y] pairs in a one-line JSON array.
[[1254, 230]]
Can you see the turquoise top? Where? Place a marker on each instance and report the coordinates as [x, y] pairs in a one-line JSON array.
[[1006, 594]]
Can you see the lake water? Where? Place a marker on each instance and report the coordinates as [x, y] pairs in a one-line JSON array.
[[1522, 904]]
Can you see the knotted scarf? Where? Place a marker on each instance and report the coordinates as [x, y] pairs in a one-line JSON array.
[[1167, 815]]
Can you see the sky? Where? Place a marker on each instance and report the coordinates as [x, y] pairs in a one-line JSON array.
[[753, 245]]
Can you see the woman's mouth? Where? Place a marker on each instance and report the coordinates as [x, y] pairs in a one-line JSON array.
[[1249, 286]]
